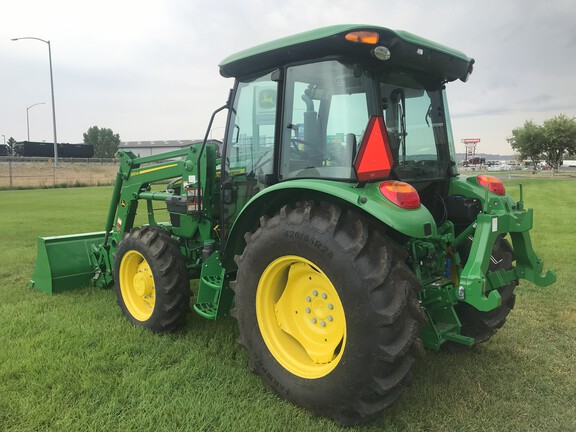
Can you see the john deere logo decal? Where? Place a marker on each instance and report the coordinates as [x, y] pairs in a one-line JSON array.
[[267, 99]]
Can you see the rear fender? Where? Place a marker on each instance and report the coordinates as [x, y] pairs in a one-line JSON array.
[[415, 223]]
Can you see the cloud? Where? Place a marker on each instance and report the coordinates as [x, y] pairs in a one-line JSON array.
[[148, 69]]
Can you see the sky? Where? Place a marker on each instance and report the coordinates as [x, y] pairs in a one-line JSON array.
[[148, 69]]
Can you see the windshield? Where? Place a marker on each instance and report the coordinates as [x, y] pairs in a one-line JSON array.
[[417, 131], [327, 108]]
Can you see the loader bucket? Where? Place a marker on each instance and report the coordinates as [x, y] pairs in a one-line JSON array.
[[63, 263]]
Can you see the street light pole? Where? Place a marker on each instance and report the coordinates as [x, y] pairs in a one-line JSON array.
[[52, 92], [28, 118]]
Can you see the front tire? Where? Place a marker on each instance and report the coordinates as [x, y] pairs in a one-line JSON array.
[[150, 279], [327, 311]]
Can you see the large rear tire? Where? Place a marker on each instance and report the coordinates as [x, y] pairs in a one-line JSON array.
[[150, 279], [483, 325], [327, 311]]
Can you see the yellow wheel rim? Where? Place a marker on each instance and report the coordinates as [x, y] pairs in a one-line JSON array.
[[301, 317], [137, 285]]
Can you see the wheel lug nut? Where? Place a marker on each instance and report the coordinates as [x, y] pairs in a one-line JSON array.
[[307, 310], [308, 299], [330, 318], [330, 306], [314, 320], [324, 296], [322, 324], [314, 293]]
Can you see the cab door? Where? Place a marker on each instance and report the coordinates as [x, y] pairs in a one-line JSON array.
[[249, 150]]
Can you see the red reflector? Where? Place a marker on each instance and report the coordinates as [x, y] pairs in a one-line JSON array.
[[493, 184], [400, 193], [374, 159]]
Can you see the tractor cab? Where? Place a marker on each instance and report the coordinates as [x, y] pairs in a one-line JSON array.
[[344, 103]]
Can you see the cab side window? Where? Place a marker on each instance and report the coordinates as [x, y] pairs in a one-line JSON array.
[[250, 148], [325, 114]]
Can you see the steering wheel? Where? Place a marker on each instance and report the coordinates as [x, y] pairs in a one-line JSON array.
[[298, 141], [296, 150]]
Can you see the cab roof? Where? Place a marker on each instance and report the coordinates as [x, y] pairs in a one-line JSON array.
[[407, 51]]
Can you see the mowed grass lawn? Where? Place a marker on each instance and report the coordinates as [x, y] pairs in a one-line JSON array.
[[71, 362]]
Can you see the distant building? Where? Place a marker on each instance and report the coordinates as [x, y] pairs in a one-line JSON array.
[[149, 148]]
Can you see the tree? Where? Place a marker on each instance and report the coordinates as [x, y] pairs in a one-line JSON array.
[[549, 142], [105, 141], [559, 138], [528, 141]]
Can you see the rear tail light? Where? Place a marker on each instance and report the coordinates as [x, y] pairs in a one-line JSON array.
[[400, 193], [493, 184]]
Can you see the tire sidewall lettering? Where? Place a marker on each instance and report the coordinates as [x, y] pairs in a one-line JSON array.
[[309, 239]]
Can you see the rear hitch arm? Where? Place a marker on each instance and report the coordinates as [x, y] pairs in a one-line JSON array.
[[480, 290]]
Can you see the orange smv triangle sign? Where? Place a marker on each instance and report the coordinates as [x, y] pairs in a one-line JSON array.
[[374, 160]]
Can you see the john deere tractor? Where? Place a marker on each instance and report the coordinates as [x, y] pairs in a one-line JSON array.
[[332, 224]]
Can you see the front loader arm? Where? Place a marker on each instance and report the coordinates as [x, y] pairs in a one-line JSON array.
[[133, 183]]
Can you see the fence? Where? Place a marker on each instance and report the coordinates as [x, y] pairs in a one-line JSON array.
[[564, 172], [34, 172]]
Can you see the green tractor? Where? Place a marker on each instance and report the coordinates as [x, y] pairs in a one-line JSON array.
[[332, 224]]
